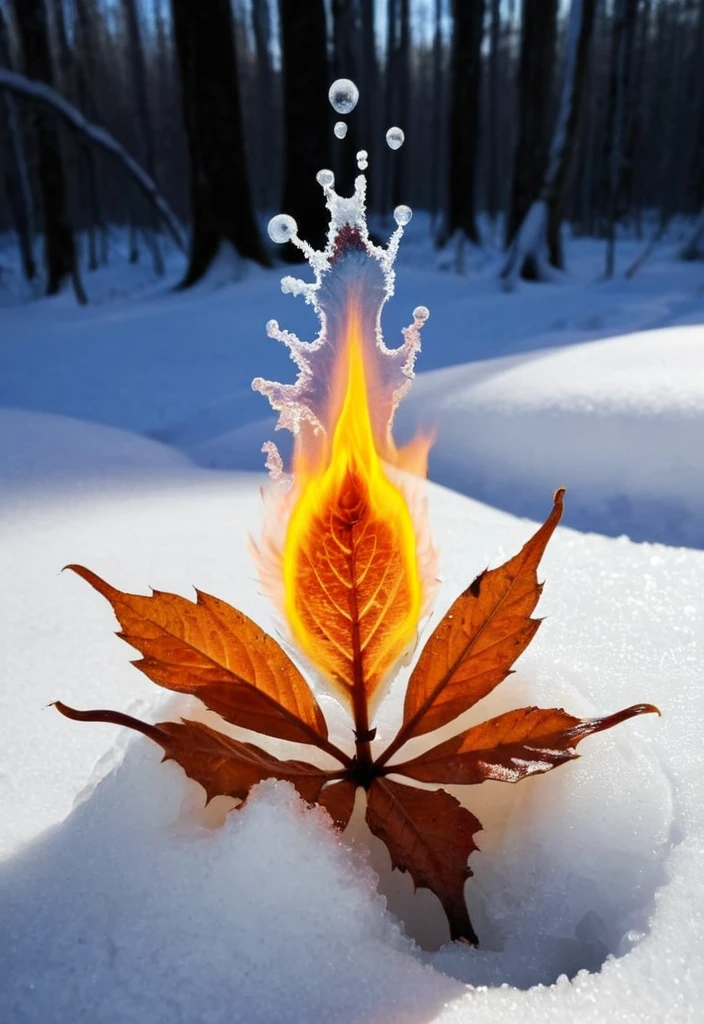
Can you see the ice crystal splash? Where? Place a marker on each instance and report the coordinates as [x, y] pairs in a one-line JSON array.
[[352, 280]]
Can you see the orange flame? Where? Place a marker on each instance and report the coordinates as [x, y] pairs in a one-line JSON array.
[[355, 565]]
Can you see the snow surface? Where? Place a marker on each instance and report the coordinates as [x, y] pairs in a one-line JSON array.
[[121, 899]]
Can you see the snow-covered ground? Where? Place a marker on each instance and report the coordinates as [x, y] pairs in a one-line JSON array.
[[120, 898]]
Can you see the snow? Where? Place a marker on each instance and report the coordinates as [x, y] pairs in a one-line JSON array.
[[121, 899]]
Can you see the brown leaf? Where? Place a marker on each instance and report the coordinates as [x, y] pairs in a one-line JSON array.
[[429, 834], [473, 648], [527, 741], [351, 589], [338, 800], [216, 653], [222, 765]]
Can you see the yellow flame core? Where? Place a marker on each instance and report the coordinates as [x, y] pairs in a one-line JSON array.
[[352, 588]]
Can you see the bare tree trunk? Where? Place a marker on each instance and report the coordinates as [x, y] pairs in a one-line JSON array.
[[465, 76], [538, 239], [437, 110], [493, 173], [535, 80], [623, 28], [635, 119], [220, 193], [139, 81], [85, 66], [261, 30], [369, 94], [390, 93], [307, 121], [402, 85], [17, 181], [59, 246]]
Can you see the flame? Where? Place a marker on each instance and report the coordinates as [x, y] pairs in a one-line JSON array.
[[345, 551], [350, 561]]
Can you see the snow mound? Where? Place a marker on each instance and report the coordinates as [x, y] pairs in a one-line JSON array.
[[619, 422], [131, 903], [42, 451]]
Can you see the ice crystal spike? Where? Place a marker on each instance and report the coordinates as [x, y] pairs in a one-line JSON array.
[[351, 272]]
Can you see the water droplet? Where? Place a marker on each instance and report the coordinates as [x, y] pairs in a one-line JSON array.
[[402, 215], [340, 129], [421, 313], [325, 178], [343, 95], [395, 138], [282, 228], [362, 159]]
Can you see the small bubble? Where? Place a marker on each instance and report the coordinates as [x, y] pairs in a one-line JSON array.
[[402, 215], [340, 129], [395, 138], [325, 178], [362, 159], [282, 228], [343, 95], [421, 313]]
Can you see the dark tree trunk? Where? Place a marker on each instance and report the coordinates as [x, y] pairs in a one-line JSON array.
[[465, 77], [390, 94], [535, 80], [537, 243], [437, 110], [17, 183], [145, 131], [493, 171], [563, 145], [370, 133], [59, 245], [221, 206], [619, 93], [306, 117], [402, 86]]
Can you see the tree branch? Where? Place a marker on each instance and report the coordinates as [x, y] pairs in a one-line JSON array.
[[42, 93]]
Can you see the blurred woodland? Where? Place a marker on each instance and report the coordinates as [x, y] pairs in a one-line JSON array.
[[192, 120]]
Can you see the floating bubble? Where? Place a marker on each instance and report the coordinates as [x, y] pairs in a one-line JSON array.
[[343, 95], [362, 159], [421, 313], [325, 178], [402, 215], [395, 138], [340, 129], [282, 228]]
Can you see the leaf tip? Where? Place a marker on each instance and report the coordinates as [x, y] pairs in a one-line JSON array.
[[559, 496]]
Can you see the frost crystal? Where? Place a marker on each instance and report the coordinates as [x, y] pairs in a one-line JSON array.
[[350, 271]]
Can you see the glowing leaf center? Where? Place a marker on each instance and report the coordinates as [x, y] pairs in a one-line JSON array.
[[353, 593]]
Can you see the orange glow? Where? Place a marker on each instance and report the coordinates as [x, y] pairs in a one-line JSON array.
[[353, 587]]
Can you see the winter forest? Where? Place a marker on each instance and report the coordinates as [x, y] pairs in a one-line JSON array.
[[336, 338], [596, 111]]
